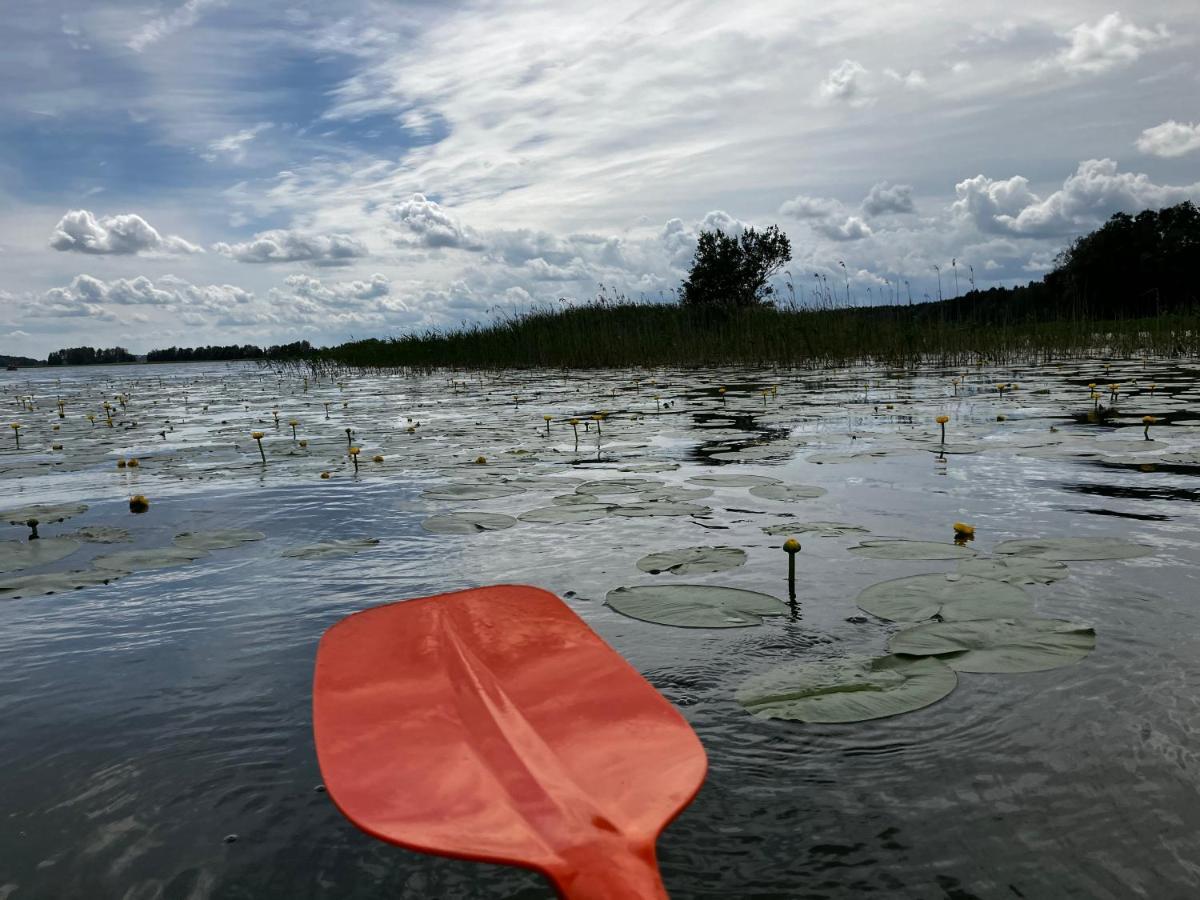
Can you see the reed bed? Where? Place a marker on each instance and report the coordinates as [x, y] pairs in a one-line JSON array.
[[603, 335]]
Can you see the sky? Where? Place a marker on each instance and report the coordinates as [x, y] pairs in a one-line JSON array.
[[189, 172]]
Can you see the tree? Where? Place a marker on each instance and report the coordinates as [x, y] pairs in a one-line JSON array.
[[729, 271]]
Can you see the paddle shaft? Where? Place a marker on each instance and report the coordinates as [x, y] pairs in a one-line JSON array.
[[624, 874]]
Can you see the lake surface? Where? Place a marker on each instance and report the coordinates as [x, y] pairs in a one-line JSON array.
[[146, 721]]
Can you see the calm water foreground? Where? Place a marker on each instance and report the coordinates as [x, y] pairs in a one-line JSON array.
[[146, 722]]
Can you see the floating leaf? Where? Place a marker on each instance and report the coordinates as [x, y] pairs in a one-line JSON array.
[[693, 560], [52, 583], [787, 492], [674, 494], [821, 459], [722, 481], [846, 690], [820, 529], [220, 539], [659, 509], [950, 597], [17, 555], [565, 514], [998, 645], [617, 486], [898, 548], [695, 605], [468, 522], [1078, 548], [101, 534], [127, 561], [331, 549], [43, 512], [1015, 569], [471, 492]]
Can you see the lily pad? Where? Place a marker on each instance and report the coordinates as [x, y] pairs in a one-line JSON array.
[[566, 514], [722, 481], [658, 508], [128, 561], [220, 539], [1078, 548], [695, 605], [846, 690], [617, 486], [693, 560], [889, 548], [471, 492], [998, 645], [787, 492], [43, 512], [1015, 569], [820, 529], [17, 555], [53, 583], [101, 534], [468, 522], [331, 549], [952, 598]]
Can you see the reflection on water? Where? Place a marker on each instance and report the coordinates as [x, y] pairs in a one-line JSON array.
[[156, 732]]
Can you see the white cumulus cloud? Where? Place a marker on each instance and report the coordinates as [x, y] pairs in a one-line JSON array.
[[888, 198], [1093, 193], [1109, 43], [845, 83], [1171, 138], [81, 232], [283, 246], [803, 207], [428, 224], [852, 228]]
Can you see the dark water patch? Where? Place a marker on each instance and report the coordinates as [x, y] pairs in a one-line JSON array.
[[1128, 492], [1142, 517]]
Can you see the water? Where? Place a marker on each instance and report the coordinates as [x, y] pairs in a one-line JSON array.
[[144, 722]]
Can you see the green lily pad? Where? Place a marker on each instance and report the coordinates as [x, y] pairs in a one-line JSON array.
[[998, 645], [471, 492], [617, 486], [822, 459], [722, 481], [787, 492], [53, 583], [220, 539], [897, 548], [128, 561], [1015, 569], [101, 534], [952, 598], [691, 560], [820, 529], [1068, 549], [331, 549], [43, 512], [846, 690], [657, 508], [17, 555], [695, 605], [468, 522], [566, 514]]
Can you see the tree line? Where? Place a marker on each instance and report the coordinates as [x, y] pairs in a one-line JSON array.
[[90, 356]]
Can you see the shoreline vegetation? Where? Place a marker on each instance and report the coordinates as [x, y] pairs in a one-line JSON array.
[[1129, 288], [623, 334]]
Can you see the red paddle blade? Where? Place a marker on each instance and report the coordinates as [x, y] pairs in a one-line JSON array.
[[495, 725]]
